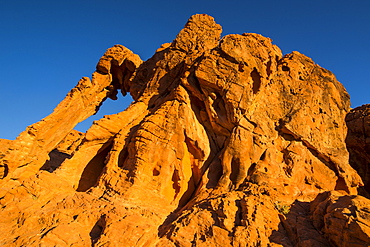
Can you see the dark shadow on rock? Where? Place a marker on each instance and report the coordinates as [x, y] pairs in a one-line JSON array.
[[94, 168], [296, 227], [55, 161], [358, 144], [97, 230]]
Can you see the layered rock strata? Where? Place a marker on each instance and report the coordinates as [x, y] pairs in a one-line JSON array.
[[227, 143]]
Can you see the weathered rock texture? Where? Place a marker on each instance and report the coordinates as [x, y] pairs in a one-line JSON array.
[[227, 143], [358, 143]]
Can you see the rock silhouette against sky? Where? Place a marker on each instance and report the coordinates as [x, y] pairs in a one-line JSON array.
[[228, 143]]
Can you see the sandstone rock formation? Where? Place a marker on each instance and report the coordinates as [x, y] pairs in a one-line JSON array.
[[358, 143], [227, 143], [344, 219]]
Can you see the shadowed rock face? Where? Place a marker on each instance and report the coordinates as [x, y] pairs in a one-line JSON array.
[[227, 143], [358, 143]]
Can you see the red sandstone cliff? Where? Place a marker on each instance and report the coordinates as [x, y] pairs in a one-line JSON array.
[[227, 143]]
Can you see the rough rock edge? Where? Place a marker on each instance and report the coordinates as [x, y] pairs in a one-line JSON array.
[[233, 211]]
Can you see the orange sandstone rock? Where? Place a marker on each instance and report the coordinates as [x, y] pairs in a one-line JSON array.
[[227, 143], [4, 146], [344, 219]]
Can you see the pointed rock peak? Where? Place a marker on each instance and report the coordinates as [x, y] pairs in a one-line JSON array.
[[200, 33]]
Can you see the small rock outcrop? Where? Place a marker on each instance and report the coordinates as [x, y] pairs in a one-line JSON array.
[[344, 219], [228, 142]]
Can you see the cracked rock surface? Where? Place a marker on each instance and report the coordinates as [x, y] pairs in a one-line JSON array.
[[228, 142]]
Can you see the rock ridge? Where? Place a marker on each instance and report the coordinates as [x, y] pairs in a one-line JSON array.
[[228, 142]]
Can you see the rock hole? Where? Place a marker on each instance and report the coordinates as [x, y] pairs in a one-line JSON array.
[[93, 169], [97, 230], [235, 168], [285, 68], [155, 172], [256, 77], [109, 107]]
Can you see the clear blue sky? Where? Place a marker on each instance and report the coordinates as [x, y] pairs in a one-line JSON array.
[[47, 46]]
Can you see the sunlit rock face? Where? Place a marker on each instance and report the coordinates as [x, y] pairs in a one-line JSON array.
[[227, 143]]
